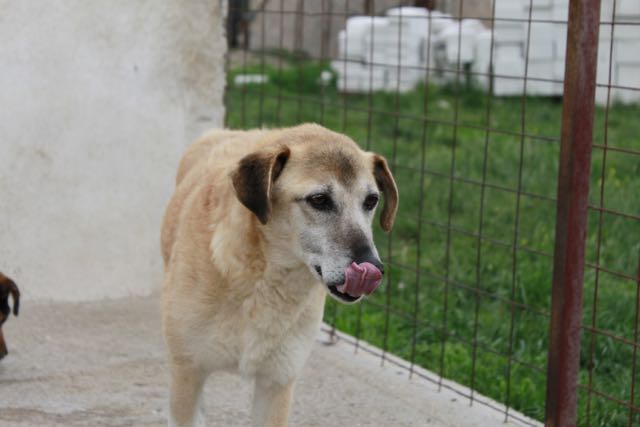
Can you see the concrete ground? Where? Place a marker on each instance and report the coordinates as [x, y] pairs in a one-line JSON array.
[[102, 364]]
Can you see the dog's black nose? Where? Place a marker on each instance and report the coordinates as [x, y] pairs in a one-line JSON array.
[[364, 253]]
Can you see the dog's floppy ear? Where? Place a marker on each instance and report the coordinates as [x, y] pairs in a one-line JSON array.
[[254, 177], [15, 293], [8, 287], [387, 185]]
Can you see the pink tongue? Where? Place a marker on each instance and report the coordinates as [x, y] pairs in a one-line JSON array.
[[360, 279]]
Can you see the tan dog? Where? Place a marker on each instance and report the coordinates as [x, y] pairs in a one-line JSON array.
[[262, 226]]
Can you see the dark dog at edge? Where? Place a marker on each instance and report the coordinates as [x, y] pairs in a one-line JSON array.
[[7, 287]]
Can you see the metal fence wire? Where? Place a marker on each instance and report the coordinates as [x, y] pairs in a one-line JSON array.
[[513, 132]]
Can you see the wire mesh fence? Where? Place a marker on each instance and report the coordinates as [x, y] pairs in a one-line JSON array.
[[467, 107]]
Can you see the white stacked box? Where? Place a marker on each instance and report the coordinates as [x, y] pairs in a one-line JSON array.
[[602, 71], [620, 55], [508, 46], [547, 47], [356, 77], [558, 72], [508, 67], [541, 12], [458, 39], [481, 65], [628, 75], [606, 54], [430, 55], [439, 20], [387, 53], [392, 52], [414, 19], [626, 50], [561, 15], [542, 4], [403, 46], [454, 48], [351, 41], [542, 58], [389, 48], [606, 10], [540, 41], [349, 47], [395, 50], [507, 28], [540, 51], [630, 8], [627, 12]]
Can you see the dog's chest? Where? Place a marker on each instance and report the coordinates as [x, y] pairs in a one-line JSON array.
[[277, 343]]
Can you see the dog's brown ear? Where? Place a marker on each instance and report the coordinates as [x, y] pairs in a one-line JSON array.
[[254, 178], [387, 185], [15, 293], [8, 287]]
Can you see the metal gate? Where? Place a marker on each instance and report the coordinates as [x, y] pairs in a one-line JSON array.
[[515, 262]]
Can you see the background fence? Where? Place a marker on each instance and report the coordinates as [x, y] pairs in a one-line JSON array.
[[471, 120]]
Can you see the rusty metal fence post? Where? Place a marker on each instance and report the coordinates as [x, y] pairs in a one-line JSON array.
[[571, 219]]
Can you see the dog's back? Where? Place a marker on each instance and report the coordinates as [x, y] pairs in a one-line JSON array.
[[213, 153]]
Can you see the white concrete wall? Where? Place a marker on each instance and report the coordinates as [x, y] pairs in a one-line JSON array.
[[97, 100]]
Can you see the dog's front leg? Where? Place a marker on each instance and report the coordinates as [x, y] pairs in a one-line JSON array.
[[3, 346], [186, 388], [271, 403]]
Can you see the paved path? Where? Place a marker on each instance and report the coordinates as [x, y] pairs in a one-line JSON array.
[[102, 364]]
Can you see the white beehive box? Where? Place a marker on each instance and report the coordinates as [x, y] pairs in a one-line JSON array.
[[540, 41], [400, 46], [509, 16], [349, 47], [628, 76], [510, 9], [354, 77], [628, 8], [351, 40], [388, 47], [482, 58], [457, 41], [508, 68], [414, 19], [620, 54], [543, 4]]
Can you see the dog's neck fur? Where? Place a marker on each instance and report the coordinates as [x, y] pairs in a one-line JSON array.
[[283, 299], [267, 258]]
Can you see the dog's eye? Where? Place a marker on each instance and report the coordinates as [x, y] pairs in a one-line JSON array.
[[321, 202], [370, 202]]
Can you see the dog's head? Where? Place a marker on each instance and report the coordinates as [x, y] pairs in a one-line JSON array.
[[8, 287], [316, 192]]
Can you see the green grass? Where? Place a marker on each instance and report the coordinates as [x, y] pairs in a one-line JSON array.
[[446, 289]]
